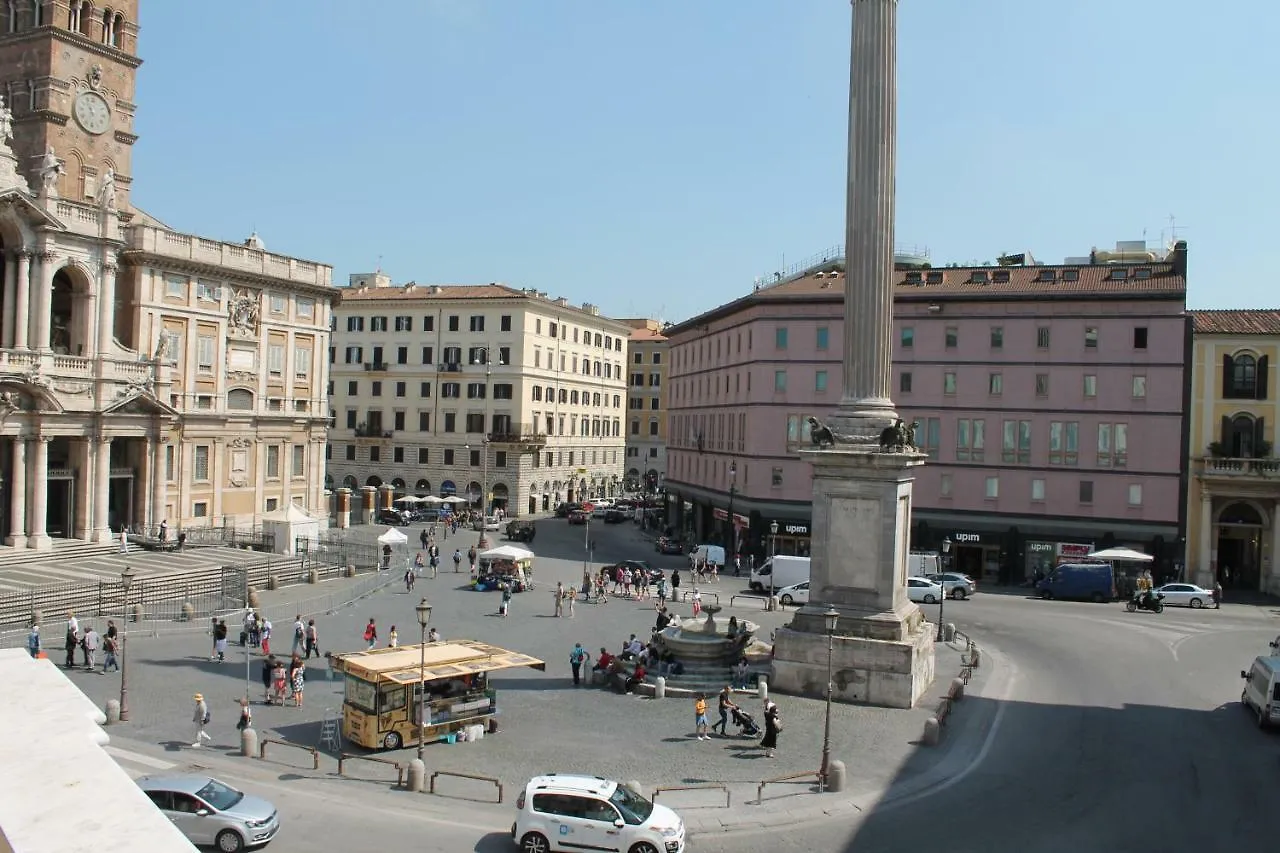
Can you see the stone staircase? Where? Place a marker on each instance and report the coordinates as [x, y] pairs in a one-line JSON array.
[[63, 549], [710, 678]]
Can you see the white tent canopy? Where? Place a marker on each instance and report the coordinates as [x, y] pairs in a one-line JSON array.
[[392, 537], [431, 499], [288, 525], [1122, 555], [454, 499], [506, 552], [410, 499]]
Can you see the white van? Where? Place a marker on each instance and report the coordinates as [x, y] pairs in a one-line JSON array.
[[709, 554], [570, 812], [921, 564], [779, 571], [1262, 690]]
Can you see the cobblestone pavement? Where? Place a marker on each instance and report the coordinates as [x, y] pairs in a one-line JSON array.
[[547, 725]]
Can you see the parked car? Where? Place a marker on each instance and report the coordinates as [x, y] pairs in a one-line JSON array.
[[393, 517], [558, 813], [564, 510], [614, 516], [578, 517], [957, 585], [1186, 595], [664, 545], [212, 813], [795, 594], [488, 522], [521, 531], [924, 590], [655, 575], [1086, 581]]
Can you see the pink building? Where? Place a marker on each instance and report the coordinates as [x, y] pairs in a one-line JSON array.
[[1050, 400]]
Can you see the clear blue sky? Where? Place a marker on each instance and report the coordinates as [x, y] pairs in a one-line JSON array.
[[655, 157]]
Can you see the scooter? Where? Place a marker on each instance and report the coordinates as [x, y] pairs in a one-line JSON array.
[[1146, 600]]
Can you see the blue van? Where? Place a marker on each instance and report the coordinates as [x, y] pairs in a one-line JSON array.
[[1084, 581]]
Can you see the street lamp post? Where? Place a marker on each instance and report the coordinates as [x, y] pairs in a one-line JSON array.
[[829, 618], [942, 596], [247, 647], [126, 581], [424, 616], [773, 552], [732, 539]]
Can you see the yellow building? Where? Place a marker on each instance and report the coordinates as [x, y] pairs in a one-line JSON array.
[[1233, 510], [646, 405]]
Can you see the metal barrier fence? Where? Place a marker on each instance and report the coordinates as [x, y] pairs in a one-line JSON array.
[[315, 753], [344, 757], [728, 797], [490, 779], [815, 775]]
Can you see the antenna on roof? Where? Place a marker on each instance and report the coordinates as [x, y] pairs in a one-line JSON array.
[[379, 269]]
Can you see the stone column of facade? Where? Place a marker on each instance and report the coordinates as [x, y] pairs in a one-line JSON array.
[[882, 648], [1204, 558], [82, 464], [216, 463], [17, 537], [368, 503], [159, 483], [102, 489], [387, 496], [144, 491], [1272, 563], [865, 405], [38, 538], [43, 299], [10, 291], [22, 302], [344, 508], [106, 309]]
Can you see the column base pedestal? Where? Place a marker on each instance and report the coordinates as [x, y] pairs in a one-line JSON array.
[[344, 520], [19, 541], [40, 542], [103, 536], [886, 673]]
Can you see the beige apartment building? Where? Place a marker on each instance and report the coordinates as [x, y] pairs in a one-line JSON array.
[[646, 406], [475, 390], [146, 375]]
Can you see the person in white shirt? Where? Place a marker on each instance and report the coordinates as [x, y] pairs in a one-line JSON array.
[[200, 719], [92, 641], [433, 636], [299, 635]]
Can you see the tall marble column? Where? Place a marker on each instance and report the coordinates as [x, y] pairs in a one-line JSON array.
[[106, 309], [102, 489], [160, 483], [146, 510], [17, 537], [1204, 561], [42, 316], [865, 405], [22, 302], [10, 291], [39, 538]]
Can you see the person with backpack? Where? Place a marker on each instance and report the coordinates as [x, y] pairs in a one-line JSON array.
[[471, 557], [457, 560], [299, 635], [313, 639], [577, 658], [201, 718], [266, 637], [371, 634]]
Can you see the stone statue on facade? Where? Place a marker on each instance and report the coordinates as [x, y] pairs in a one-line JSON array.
[[162, 347], [820, 434], [242, 314], [107, 191], [898, 437], [51, 170], [6, 123]]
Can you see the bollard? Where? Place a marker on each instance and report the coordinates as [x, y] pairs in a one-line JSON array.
[[957, 689], [253, 598], [113, 711], [949, 631], [417, 775], [835, 777], [773, 603], [932, 732], [351, 570], [272, 582], [249, 742], [659, 688], [313, 576], [974, 657], [188, 611], [634, 787], [35, 616], [762, 686]]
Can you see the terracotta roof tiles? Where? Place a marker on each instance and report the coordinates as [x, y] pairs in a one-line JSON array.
[[1251, 321], [643, 335]]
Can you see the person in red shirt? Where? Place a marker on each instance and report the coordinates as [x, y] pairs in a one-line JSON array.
[[604, 661]]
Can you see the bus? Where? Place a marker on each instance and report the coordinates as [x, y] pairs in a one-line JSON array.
[[384, 689]]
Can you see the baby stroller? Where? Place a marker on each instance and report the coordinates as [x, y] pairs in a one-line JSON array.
[[746, 724]]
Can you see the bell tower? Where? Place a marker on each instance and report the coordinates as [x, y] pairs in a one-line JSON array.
[[68, 70]]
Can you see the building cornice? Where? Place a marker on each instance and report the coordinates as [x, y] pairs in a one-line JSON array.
[[140, 257], [81, 41]]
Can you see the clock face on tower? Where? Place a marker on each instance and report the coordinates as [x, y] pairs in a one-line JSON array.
[[92, 113]]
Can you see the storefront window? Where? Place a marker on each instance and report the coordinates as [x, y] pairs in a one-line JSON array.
[[1038, 559]]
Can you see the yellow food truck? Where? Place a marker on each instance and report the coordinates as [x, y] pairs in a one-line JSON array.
[[384, 689]]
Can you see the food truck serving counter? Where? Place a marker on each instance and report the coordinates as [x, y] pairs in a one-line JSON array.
[[384, 688]]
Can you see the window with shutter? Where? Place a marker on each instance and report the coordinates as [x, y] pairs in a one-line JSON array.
[[1228, 366], [1261, 380]]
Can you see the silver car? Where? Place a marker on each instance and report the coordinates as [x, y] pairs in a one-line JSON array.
[[956, 584], [212, 813]]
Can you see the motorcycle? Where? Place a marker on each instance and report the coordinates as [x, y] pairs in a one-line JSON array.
[[1146, 600]]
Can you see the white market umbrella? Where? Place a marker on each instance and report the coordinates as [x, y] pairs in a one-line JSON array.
[[393, 537], [431, 499], [1122, 554], [507, 552], [454, 499], [409, 499]]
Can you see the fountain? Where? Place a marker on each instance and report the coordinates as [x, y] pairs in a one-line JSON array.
[[705, 647]]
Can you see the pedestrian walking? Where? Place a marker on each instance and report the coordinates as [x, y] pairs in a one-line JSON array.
[[370, 634], [577, 658], [313, 639], [409, 578], [457, 560], [109, 654], [424, 538], [724, 704], [266, 636], [697, 602], [298, 680], [1217, 595], [246, 715], [72, 641], [505, 603], [279, 681], [268, 667], [92, 642], [569, 597], [471, 557], [559, 594], [124, 541], [393, 639], [299, 635], [201, 718], [164, 530], [220, 640], [700, 717], [772, 726], [33, 641]]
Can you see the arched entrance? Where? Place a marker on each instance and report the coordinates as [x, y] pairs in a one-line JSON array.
[[500, 496], [374, 480], [448, 489], [350, 482], [1240, 530], [423, 488], [398, 485], [69, 323], [475, 494]]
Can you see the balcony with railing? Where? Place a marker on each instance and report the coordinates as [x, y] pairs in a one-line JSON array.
[[364, 430], [526, 437], [449, 367], [1234, 468], [376, 366], [189, 247]]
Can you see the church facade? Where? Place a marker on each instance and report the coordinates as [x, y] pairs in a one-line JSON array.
[[146, 375]]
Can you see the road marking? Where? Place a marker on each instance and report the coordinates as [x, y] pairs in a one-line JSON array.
[[138, 758]]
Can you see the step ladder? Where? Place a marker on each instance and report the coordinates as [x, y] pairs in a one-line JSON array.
[[330, 734]]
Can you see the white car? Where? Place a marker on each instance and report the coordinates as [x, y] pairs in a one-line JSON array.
[[490, 522], [794, 594], [923, 590], [1186, 595], [567, 812]]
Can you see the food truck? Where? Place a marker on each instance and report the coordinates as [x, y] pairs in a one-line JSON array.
[[384, 690]]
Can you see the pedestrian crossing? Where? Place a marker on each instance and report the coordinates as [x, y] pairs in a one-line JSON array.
[[130, 760], [94, 567]]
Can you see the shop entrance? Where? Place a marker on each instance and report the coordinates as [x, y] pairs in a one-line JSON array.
[[1240, 528]]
